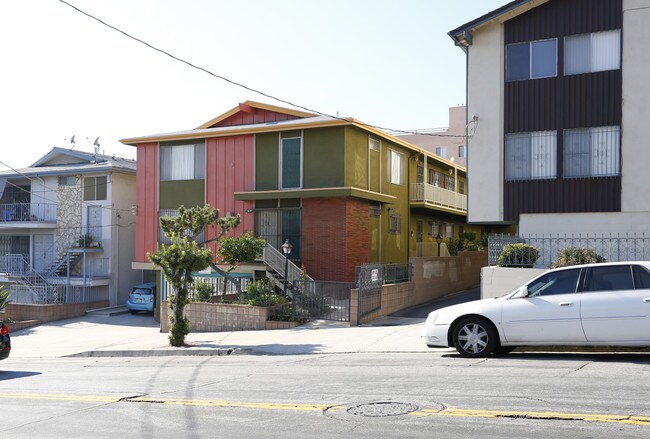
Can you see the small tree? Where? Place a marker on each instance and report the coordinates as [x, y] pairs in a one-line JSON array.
[[185, 255], [4, 298]]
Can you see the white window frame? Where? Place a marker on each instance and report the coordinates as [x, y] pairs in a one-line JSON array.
[[530, 59], [592, 37], [596, 148], [536, 168], [393, 177], [174, 171], [280, 151]]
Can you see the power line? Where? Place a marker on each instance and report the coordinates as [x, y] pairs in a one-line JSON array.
[[245, 87]]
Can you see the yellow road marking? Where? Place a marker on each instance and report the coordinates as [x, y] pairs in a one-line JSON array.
[[457, 412], [240, 404]]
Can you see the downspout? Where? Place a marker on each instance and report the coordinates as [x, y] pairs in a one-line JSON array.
[[467, 131]]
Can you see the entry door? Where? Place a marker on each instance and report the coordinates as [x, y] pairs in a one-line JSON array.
[[550, 313], [95, 222], [43, 252]]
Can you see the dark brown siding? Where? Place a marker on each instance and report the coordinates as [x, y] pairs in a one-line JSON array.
[[559, 103]]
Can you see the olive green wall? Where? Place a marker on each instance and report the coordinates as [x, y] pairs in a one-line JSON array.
[[188, 193], [267, 161], [395, 247], [356, 158], [323, 161]]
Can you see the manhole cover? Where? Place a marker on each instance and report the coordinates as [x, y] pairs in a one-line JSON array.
[[380, 409]]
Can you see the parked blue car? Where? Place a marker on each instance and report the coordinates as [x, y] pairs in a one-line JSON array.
[[142, 298]]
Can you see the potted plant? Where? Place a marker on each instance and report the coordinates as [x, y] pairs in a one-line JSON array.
[[85, 240]]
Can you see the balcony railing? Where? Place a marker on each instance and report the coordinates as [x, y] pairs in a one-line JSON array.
[[23, 212], [428, 193]]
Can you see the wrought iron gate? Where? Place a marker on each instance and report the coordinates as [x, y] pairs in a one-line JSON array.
[[369, 278]]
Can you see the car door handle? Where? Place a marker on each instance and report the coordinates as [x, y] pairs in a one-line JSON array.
[[565, 303], [647, 299]]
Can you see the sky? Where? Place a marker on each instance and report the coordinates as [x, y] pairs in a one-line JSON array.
[[389, 63]]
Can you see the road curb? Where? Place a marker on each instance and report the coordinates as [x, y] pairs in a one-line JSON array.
[[155, 353]]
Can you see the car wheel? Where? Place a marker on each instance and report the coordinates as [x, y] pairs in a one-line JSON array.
[[474, 337], [133, 311]]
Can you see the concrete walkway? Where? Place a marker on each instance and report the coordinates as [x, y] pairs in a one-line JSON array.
[[106, 334]]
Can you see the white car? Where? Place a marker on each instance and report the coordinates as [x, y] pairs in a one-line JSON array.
[[605, 304]]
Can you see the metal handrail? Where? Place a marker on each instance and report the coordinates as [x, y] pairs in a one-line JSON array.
[[275, 259], [28, 212]]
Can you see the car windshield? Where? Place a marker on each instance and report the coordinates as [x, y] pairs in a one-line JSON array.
[[141, 291]]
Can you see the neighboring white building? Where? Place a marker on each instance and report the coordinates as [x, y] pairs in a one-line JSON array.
[[560, 89], [449, 142], [67, 230]]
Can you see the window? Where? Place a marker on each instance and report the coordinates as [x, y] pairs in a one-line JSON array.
[[595, 52], [436, 178], [461, 187], [536, 59], [173, 213], [291, 163], [375, 209], [373, 144], [450, 183], [420, 176], [182, 162], [449, 230], [69, 180], [95, 188], [441, 151], [557, 282], [461, 151], [617, 277], [434, 228], [531, 156], [395, 226], [592, 152], [395, 167], [641, 278]]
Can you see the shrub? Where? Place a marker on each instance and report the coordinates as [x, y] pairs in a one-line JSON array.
[[261, 293], [576, 256], [202, 292], [4, 298], [518, 255]]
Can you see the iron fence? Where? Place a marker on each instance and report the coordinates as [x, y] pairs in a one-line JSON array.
[[612, 247], [56, 294], [396, 273], [321, 300]]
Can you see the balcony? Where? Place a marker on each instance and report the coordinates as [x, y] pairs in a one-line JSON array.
[[436, 197], [18, 213]]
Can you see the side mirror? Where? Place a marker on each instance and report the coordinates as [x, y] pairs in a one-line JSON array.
[[521, 293]]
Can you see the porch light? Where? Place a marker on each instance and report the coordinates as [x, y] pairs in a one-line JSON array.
[[438, 240], [286, 247]]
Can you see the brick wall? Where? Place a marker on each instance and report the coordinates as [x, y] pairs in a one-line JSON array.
[[335, 237], [50, 313], [218, 317], [433, 278]]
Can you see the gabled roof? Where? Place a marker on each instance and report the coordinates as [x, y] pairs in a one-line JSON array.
[[247, 106], [462, 35], [62, 161], [293, 124]]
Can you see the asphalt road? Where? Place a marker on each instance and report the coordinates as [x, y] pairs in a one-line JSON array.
[[328, 396]]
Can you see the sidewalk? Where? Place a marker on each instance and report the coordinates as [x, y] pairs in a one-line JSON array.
[[139, 335], [101, 334]]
